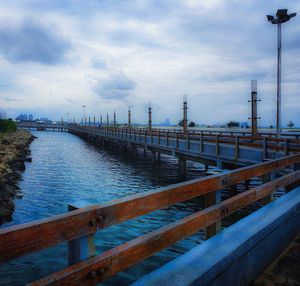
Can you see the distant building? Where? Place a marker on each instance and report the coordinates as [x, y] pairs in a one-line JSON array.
[[165, 123], [45, 119], [2, 114], [22, 117], [244, 125], [30, 117]]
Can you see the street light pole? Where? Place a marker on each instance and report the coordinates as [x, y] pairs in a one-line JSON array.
[[84, 117], [281, 17], [278, 115]]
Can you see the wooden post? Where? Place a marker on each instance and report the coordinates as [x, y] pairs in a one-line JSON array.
[[84, 247]]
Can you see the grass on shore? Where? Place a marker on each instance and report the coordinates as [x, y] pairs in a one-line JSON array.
[[7, 125]]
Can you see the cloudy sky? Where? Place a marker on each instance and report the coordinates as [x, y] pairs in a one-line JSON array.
[[56, 56]]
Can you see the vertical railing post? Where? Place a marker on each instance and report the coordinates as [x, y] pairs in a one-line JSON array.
[[187, 141], [265, 148], [151, 134], [237, 148], [210, 200], [217, 145], [286, 147], [177, 143], [84, 247], [201, 142], [167, 138]]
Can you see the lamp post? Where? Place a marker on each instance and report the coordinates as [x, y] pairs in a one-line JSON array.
[[281, 17], [185, 108], [84, 117], [129, 117], [149, 116]]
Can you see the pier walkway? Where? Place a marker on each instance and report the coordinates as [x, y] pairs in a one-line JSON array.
[[223, 150]]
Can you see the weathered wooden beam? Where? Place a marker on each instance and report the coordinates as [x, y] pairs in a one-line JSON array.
[[107, 264], [47, 232]]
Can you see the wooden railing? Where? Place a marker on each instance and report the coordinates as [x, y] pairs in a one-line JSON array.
[[26, 238]]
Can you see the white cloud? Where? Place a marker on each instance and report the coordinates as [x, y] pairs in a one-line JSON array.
[[140, 51]]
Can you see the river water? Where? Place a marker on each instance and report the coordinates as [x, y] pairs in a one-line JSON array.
[[65, 169]]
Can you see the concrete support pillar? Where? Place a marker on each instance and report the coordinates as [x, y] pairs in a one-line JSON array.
[[182, 167], [210, 200], [158, 156], [153, 155], [219, 164], [267, 178]]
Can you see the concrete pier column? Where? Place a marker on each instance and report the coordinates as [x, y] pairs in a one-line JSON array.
[[158, 156], [145, 153], [153, 155], [182, 167], [210, 200], [267, 178]]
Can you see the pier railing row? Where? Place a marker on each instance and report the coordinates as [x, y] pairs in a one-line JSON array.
[[285, 145], [30, 237]]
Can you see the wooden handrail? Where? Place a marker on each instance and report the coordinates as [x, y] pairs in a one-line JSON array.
[[26, 238], [107, 264]]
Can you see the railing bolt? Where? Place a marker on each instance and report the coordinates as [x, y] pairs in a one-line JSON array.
[[100, 218], [93, 222], [93, 274]]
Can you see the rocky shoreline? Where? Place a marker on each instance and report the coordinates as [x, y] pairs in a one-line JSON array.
[[14, 152]]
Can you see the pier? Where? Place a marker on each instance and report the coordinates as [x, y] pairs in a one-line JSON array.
[[266, 232]]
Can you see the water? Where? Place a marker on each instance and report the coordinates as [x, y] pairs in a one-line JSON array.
[[65, 169]]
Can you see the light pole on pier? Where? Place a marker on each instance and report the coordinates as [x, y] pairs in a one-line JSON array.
[[89, 121], [185, 108], [149, 116], [281, 17], [129, 117], [84, 116], [115, 120], [254, 101], [107, 119], [94, 120]]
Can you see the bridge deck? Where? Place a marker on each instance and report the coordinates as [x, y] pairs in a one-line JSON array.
[[201, 147]]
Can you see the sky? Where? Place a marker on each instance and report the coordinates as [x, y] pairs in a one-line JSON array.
[[56, 56]]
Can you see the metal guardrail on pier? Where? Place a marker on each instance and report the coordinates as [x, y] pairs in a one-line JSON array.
[[26, 238], [202, 147]]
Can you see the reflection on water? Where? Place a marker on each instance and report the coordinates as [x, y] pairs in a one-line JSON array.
[[65, 169]]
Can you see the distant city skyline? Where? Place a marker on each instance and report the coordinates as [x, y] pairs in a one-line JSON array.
[[57, 56]]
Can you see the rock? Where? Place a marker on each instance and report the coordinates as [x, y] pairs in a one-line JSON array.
[[14, 152]]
